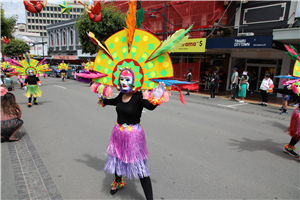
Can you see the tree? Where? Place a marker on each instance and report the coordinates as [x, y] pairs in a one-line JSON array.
[[15, 47], [7, 24], [112, 21]]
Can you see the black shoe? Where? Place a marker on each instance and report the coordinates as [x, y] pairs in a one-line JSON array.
[[112, 192], [290, 150], [282, 109], [187, 94], [284, 112], [29, 105], [35, 103]]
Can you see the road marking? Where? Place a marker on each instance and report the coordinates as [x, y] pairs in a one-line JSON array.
[[60, 86], [233, 106]]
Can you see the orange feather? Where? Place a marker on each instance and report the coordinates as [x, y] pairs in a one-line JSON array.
[[130, 22]]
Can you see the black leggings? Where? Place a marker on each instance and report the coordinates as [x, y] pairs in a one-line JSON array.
[[264, 96], [212, 91], [146, 184], [29, 99], [293, 142]]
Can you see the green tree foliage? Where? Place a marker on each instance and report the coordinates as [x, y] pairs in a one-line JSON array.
[[112, 21], [15, 47], [7, 24]]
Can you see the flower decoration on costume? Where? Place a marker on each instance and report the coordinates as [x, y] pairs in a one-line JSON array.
[[138, 51], [25, 65], [270, 88], [293, 81]]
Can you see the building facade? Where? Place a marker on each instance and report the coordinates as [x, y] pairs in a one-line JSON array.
[[51, 14], [64, 43]]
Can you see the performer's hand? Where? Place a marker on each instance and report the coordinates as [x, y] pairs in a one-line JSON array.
[[159, 90], [39, 84], [24, 88]]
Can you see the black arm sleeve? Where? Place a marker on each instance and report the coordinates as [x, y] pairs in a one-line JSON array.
[[112, 102], [148, 105], [26, 80], [37, 79]]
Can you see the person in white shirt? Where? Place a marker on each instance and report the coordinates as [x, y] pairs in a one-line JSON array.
[[264, 87]]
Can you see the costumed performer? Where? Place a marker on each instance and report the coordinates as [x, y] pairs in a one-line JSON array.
[[31, 70], [134, 62], [293, 86]]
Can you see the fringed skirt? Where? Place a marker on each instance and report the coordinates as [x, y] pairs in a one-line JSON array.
[[33, 90], [128, 152], [294, 129]]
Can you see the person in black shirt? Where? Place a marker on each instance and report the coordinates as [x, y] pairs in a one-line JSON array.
[[32, 88], [214, 85], [188, 79], [127, 148], [63, 73]]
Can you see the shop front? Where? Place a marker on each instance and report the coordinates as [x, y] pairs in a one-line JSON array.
[[257, 55], [188, 56]]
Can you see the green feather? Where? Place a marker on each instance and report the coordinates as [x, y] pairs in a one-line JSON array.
[[139, 17], [171, 43]]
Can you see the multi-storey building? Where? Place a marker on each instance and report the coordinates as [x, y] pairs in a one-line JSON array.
[[51, 14]]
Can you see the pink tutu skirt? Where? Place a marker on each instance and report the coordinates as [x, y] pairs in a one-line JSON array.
[[128, 152]]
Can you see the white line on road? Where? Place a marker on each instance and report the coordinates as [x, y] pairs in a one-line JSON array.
[[60, 86], [233, 106]]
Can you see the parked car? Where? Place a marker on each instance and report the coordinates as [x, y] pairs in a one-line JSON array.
[[55, 72], [72, 69]]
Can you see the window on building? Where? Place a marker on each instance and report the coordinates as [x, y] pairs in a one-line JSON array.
[[37, 27], [67, 16], [45, 27], [64, 38], [51, 40], [59, 9], [44, 15], [41, 34], [44, 21], [78, 10], [48, 21], [44, 8], [51, 8], [40, 14], [41, 21], [55, 9], [71, 37], [36, 14], [36, 21], [55, 21], [32, 14], [33, 27], [59, 15], [28, 20], [51, 21], [63, 16], [81, 9], [47, 8], [55, 15], [51, 15], [29, 27], [41, 27], [45, 34], [48, 15], [57, 36], [71, 10], [28, 14]]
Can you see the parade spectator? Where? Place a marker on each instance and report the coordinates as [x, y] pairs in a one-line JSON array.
[[264, 87], [9, 83], [11, 114], [253, 81], [234, 81], [285, 99], [188, 79], [243, 86], [214, 85]]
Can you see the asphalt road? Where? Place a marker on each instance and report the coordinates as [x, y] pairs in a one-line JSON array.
[[206, 149]]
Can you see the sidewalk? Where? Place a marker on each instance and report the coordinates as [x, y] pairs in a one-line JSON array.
[[250, 98]]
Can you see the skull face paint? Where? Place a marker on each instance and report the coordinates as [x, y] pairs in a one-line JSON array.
[[31, 72], [126, 81]]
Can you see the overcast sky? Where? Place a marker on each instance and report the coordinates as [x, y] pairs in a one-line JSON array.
[[11, 7]]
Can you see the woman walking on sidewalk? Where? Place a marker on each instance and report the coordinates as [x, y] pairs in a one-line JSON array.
[[265, 86]]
